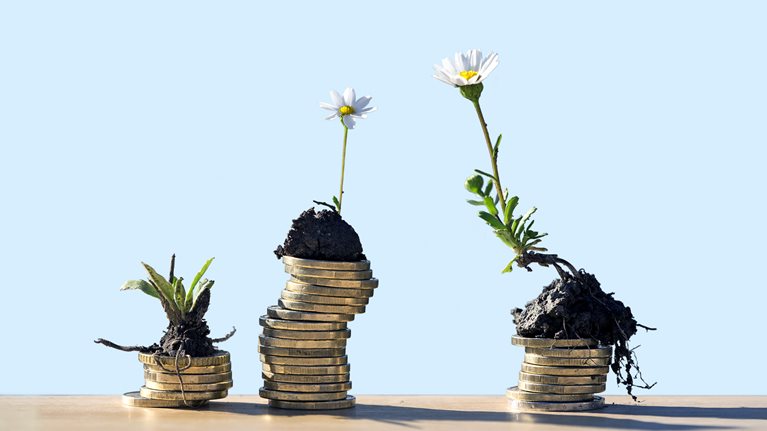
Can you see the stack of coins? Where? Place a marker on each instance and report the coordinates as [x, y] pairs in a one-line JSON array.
[[560, 375], [190, 382], [303, 346]]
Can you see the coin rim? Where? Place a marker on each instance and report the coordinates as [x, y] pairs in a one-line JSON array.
[[341, 265]]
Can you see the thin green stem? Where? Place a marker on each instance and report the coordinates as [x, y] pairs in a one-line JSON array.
[[493, 161], [343, 169]]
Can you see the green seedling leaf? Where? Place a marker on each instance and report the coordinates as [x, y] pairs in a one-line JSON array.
[[202, 287], [490, 204], [474, 184], [510, 266], [491, 220], [485, 174], [195, 280], [179, 293], [488, 187], [506, 237], [476, 203], [497, 146], [141, 285], [511, 204], [337, 203], [162, 285]]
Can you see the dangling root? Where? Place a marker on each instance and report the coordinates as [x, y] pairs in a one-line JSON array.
[[531, 257], [143, 349], [225, 337]]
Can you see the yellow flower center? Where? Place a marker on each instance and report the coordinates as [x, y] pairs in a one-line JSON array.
[[467, 74], [346, 110]]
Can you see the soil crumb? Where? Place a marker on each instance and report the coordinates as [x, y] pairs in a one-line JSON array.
[[322, 235]]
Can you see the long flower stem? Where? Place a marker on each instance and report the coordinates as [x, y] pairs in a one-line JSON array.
[[343, 169], [493, 162]]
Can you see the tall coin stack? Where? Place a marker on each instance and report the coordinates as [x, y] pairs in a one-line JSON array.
[[188, 382], [560, 375], [303, 346]]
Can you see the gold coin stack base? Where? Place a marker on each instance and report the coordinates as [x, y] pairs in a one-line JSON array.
[[560, 375], [303, 344], [190, 383]]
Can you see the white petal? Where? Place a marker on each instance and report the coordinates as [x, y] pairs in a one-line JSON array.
[[328, 106], [448, 67], [336, 98], [361, 103], [444, 79], [475, 58], [349, 121], [474, 79], [368, 109], [349, 96], [460, 62], [332, 116]]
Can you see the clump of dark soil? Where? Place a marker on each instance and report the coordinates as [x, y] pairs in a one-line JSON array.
[[322, 235], [577, 307]]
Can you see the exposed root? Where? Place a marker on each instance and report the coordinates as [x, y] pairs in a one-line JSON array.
[[142, 349], [225, 337]]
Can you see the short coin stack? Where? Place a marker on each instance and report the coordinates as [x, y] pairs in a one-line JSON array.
[[303, 346], [560, 375], [190, 382]]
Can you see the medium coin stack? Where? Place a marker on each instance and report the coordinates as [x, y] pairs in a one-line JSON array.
[[190, 382], [303, 346], [560, 375]]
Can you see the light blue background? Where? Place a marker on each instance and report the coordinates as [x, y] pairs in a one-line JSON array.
[[131, 130]]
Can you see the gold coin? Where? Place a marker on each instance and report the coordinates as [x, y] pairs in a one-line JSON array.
[[346, 403], [307, 335], [301, 344], [306, 371], [287, 360], [319, 299], [566, 362], [301, 396], [194, 379], [542, 406], [360, 265], [564, 371], [202, 387], [134, 399], [332, 282], [304, 379], [210, 369], [178, 396], [327, 273], [298, 387], [220, 358], [562, 380], [301, 353], [297, 325], [546, 343], [560, 389], [320, 308], [515, 393], [599, 352], [310, 289], [279, 312]]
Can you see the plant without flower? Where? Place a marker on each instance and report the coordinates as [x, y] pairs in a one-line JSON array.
[[188, 332], [573, 306]]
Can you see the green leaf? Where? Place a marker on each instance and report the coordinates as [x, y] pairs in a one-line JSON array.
[[474, 184], [485, 174], [141, 285], [202, 287], [179, 294], [515, 225], [195, 280], [491, 206], [497, 145], [165, 288], [488, 187], [475, 203], [506, 237], [511, 204], [337, 203], [491, 220], [510, 266]]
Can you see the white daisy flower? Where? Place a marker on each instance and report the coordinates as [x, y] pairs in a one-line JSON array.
[[347, 107], [466, 69]]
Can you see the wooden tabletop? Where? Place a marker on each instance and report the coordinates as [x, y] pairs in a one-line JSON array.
[[372, 413]]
